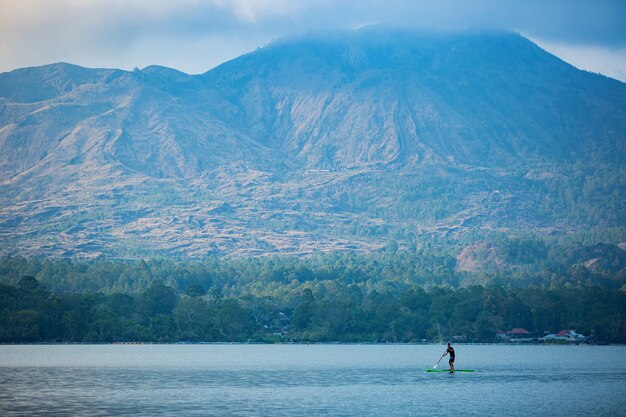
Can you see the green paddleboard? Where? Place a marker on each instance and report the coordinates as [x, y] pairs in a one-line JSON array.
[[447, 370]]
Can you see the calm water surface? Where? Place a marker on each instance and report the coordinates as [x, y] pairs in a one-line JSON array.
[[303, 380]]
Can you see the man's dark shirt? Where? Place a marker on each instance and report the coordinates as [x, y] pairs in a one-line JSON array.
[[451, 352]]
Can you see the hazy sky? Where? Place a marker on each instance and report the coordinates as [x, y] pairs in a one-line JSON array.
[[195, 35]]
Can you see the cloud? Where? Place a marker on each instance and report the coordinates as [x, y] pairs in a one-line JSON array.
[[195, 35]]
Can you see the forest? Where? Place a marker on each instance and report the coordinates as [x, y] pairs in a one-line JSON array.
[[393, 296]]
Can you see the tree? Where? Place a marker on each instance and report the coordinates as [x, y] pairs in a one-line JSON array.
[[303, 315], [25, 326], [195, 291], [236, 323], [162, 328], [158, 299], [28, 283], [194, 320]]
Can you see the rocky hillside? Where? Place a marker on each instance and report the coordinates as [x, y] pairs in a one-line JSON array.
[[324, 142]]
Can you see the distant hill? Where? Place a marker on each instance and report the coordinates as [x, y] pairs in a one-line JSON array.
[[338, 141]]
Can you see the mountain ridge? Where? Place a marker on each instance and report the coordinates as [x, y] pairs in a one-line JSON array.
[[324, 142]]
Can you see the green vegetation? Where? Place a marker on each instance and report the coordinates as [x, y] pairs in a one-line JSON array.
[[507, 262], [398, 295], [320, 312]]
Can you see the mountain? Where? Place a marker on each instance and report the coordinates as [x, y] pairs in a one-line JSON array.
[[479, 99], [333, 141]]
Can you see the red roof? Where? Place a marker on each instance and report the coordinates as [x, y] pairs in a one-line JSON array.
[[564, 332], [518, 330]]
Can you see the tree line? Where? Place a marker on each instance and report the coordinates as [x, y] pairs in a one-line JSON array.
[[309, 311], [505, 262]]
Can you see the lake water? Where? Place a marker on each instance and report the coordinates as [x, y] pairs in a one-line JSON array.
[[307, 380]]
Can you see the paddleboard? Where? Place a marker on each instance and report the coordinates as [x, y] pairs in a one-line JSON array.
[[447, 370]]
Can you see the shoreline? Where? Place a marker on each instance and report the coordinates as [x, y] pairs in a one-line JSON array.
[[305, 343]]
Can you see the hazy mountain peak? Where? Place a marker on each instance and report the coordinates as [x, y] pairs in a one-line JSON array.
[[318, 142], [165, 71]]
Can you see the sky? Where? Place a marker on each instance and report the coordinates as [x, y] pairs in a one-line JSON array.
[[196, 35]]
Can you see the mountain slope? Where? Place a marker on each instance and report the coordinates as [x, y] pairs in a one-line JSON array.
[[323, 142], [485, 99]]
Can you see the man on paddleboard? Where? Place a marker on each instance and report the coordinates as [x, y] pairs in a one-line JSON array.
[[450, 351]]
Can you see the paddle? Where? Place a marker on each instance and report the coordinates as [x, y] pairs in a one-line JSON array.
[[439, 360]]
